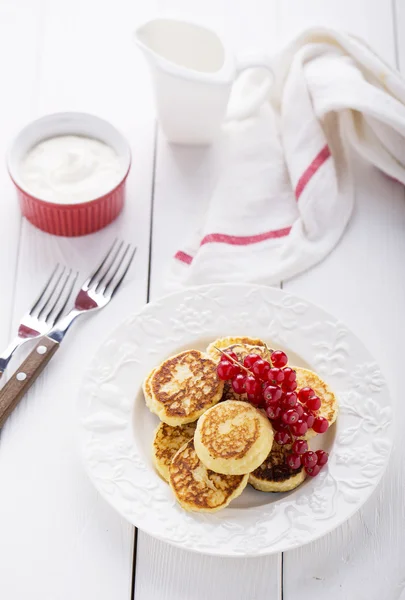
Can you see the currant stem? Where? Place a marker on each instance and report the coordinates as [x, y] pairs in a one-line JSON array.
[[270, 350], [235, 362]]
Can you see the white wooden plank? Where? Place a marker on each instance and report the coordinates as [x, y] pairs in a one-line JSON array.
[[211, 577], [363, 558], [19, 26], [185, 179], [59, 533]]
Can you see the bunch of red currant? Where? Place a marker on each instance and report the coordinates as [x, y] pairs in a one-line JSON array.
[[272, 386]]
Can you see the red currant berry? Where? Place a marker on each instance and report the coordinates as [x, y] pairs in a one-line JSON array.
[[313, 471], [279, 359], [278, 425], [229, 355], [294, 461], [253, 386], [299, 428], [260, 368], [320, 425], [314, 403], [275, 375], [305, 393], [273, 411], [322, 457], [289, 386], [226, 370], [289, 374], [308, 418], [250, 359], [253, 399], [300, 446], [239, 384], [290, 417], [282, 438], [289, 400], [272, 393], [309, 459], [298, 408]]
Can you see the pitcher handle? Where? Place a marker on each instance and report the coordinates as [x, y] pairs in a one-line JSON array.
[[256, 98]]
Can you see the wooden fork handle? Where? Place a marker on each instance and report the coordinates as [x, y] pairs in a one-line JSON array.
[[24, 377]]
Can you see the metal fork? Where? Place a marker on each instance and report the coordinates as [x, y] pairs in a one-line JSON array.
[[95, 293], [99, 287], [39, 319]]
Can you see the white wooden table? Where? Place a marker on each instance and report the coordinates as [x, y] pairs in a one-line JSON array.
[[58, 539]]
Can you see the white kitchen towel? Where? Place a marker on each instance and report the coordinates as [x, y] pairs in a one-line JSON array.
[[286, 191]]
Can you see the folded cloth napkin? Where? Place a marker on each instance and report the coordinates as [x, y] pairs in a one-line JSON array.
[[286, 191]]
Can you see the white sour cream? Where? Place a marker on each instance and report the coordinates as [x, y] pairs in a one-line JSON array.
[[69, 169]]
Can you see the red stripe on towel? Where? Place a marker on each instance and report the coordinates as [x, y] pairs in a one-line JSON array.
[[312, 169], [234, 240], [183, 257], [244, 240]]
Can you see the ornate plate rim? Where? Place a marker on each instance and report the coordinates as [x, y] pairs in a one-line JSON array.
[[116, 466]]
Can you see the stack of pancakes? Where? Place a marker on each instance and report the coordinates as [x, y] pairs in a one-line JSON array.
[[211, 442]]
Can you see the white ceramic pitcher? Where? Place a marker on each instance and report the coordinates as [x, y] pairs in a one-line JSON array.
[[192, 74]]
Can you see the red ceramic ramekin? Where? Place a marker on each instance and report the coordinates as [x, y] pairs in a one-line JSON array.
[[69, 219]]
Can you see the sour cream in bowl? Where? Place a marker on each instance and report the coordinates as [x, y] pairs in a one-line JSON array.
[[70, 171]]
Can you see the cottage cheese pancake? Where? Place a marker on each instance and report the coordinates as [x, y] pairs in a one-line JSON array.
[[274, 475], [197, 488], [242, 346], [233, 438], [147, 391], [183, 387], [329, 407], [167, 441]]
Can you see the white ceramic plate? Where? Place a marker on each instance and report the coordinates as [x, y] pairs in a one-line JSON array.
[[117, 428]]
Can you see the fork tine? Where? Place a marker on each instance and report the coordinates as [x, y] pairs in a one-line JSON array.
[[58, 295], [117, 268], [121, 279], [100, 266], [43, 292], [68, 295], [51, 294], [98, 283]]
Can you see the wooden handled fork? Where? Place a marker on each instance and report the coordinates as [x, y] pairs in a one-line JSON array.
[[95, 293], [43, 314]]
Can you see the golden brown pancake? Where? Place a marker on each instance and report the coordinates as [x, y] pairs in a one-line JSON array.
[[242, 346], [147, 391], [183, 387], [230, 394], [274, 475], [197, 488], [233, 438], [167, 441], [329, 407]]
